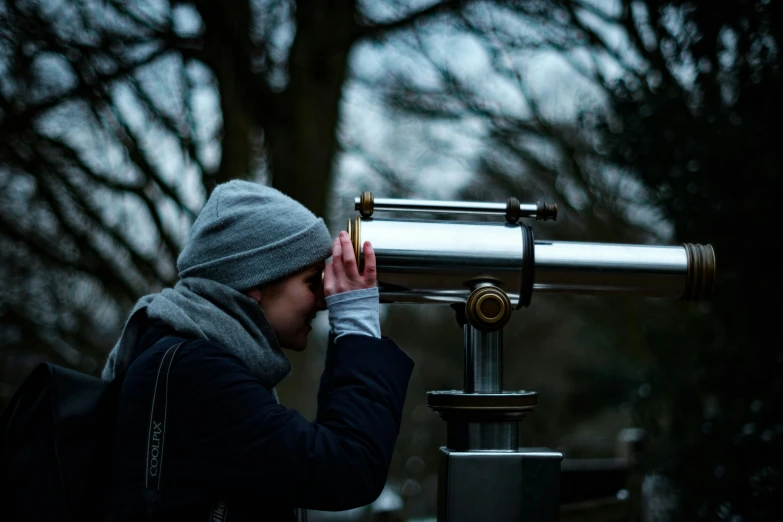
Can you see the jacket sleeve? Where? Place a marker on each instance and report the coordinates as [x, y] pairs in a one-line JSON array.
[[236, 437]]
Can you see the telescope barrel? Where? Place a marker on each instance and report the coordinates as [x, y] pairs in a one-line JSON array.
[[451, 207], [512, 209], [643, 270], [442, 261]]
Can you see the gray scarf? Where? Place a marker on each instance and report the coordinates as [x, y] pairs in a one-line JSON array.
[[205, 309]]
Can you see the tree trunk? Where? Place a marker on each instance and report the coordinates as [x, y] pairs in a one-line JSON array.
[[301, 138], [226, 45]]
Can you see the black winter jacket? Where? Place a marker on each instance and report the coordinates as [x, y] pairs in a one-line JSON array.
[[227, 439]]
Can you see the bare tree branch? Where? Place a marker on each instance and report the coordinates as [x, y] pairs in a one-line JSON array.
[[366, 29]]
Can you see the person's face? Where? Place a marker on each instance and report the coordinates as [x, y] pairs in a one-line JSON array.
[[290, 304]]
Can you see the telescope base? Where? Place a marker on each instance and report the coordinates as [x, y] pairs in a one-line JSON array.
[[501, 486]]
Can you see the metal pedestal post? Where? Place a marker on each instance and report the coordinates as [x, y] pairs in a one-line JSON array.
[[484, 474], [477, 486]]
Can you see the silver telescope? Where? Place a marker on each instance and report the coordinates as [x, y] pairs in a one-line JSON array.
[[493, 268], [422, 261]]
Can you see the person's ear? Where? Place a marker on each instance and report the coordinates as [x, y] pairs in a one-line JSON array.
[[255, 294]]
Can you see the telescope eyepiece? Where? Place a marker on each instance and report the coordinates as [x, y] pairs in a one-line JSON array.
[[700, 279]]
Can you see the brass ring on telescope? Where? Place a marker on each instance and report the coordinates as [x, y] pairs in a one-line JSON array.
[[700, 277], [366, 204], [488, 308], [354, 232], [546, 211]]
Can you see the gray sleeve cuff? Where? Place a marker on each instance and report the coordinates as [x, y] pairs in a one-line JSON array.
[[355, 312]]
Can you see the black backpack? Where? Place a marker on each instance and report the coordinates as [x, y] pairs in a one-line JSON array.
[[55, 443], [55, 446]]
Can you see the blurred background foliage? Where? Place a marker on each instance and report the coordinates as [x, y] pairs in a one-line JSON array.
[[646, 122]]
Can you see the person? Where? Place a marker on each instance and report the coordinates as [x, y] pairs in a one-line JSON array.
[[250, 283]]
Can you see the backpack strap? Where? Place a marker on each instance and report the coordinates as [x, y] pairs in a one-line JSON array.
[[156, 431], [156, 436]]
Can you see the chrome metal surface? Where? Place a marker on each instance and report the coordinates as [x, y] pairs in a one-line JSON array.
[[602, 268], [451, 207], [474, 436], [440, 261], [483, 360], [504, 405], [507, 486]]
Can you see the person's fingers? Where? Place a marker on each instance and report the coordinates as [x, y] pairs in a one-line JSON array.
[[329, 281], [349, 258], [342, 274], [337, 265], [370, 271]]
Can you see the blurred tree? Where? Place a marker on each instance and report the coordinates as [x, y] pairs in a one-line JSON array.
[[110, 112], [80, 181], [696, 124], [117, 118]]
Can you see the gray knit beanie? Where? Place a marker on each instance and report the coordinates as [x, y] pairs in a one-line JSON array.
[[248, 234]]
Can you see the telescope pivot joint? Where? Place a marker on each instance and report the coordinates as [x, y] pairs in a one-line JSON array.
[[488, 308]]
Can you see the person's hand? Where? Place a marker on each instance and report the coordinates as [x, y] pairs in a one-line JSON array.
[[342, 274]]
